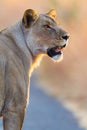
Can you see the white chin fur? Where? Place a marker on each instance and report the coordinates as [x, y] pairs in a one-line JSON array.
[[58, 57]]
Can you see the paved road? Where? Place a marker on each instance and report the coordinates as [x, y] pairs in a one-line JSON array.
[[45, 113]]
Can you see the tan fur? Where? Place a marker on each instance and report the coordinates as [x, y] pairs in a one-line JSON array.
[[21, 47]]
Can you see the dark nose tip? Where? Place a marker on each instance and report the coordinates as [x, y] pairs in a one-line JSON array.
[[66, 37]]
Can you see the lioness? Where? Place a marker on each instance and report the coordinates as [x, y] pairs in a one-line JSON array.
[[21, 46]]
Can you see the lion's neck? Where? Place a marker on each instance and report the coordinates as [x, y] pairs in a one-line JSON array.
[[36, 62], [16, 33]]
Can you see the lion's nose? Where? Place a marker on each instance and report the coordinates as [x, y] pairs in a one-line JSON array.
[[65, 37]]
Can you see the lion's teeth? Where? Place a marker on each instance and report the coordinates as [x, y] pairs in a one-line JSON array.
[[59, 47]]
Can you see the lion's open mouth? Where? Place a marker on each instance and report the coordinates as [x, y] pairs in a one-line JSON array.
[[55, 50]]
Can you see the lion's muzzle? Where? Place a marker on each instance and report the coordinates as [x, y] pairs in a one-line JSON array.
[[55, 51]]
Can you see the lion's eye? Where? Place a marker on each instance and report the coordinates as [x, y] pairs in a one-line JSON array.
[[47, 27]]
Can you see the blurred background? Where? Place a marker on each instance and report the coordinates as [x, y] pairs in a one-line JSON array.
[[66, 81]]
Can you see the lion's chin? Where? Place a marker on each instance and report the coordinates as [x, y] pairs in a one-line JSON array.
[[58, 57]]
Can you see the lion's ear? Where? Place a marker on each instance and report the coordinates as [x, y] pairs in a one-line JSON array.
[[52, 13], [29, 17]]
